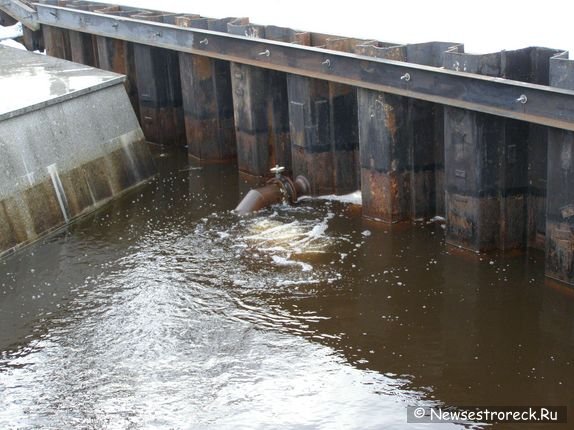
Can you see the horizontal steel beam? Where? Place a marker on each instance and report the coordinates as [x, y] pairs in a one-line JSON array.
[[21, 12], [533, 103]]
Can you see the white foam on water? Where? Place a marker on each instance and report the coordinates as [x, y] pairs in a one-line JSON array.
[[285, 242], [298, 237], [354, 198], [287, 282], [283, 261]]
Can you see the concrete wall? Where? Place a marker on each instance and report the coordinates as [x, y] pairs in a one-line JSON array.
[[64, 160]]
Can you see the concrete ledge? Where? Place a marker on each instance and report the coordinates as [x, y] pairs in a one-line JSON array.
[[31, 81], [65, 158]]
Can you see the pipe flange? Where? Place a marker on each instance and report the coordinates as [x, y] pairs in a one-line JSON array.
[[287, 188]]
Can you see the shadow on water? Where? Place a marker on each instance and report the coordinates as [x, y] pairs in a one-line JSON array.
[[166, 310]]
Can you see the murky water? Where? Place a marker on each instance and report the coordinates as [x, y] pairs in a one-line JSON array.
[[165, 310]]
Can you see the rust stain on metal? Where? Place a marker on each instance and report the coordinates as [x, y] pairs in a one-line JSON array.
[[385, 195], [390, 119]]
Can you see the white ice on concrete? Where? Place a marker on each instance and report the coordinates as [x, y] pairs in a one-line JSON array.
[[11, 32], [12, 44]]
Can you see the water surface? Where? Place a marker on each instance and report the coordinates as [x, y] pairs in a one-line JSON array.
[[166, 310]]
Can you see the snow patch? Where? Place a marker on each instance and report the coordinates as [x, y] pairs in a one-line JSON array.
[[12, 44], [11, 32]]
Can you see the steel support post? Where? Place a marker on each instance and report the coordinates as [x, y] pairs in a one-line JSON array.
[[57, 42], [491, 177], [207, 99], [401, 143], [324, 127], [538, 155], [159, 90], [117, 55], [83, 48], [261, 114], [560, 197], [33, 39]]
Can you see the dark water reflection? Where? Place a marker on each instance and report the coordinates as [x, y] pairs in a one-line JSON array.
[[165, 310]]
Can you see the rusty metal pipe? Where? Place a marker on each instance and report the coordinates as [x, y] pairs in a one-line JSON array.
[[260, 198], [277, 190]]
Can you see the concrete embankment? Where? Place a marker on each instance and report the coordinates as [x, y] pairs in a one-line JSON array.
[[69, 142]]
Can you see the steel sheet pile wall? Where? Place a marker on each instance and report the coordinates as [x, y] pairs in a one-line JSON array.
[[423, 129], [159, 89], [402, 142], [261, 111], [324, 124], [207, 98], [494, 164], [560, 186], [118, 55]]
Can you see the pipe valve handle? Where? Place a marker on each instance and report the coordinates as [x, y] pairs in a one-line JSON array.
[[277, 170]]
